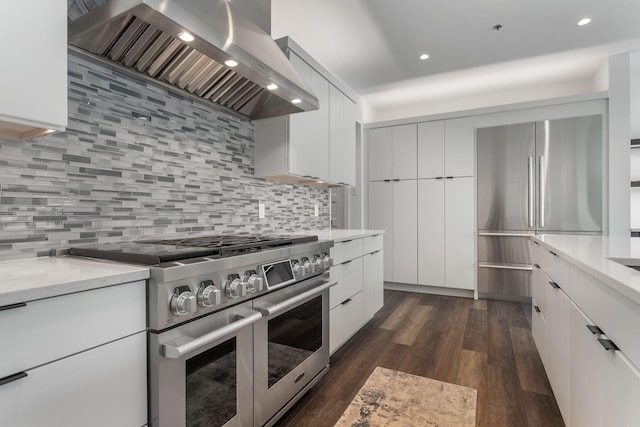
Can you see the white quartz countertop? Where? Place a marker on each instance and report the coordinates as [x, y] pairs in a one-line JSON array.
[[30, 279], [341, 234], [593, 255]]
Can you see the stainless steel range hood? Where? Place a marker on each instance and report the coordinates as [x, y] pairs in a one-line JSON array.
[[144, 35]]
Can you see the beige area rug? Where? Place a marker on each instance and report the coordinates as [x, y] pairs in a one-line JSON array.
[[393, 398]]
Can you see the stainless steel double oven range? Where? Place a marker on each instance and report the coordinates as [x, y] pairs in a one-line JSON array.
[[238, 325]]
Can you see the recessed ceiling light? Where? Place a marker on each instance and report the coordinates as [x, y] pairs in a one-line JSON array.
[[584, 21], [424, 56], [296, 101], [186, 37], [231, 63], [272, 86]]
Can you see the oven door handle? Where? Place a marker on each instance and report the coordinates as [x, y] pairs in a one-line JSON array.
[[275, 309], [183, 345]]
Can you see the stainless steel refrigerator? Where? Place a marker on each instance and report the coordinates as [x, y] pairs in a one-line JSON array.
[[533, 178]]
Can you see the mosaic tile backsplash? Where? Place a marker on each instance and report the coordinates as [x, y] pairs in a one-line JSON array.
[[138, 160]]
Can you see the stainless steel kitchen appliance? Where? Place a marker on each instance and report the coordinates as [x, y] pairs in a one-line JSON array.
[[231, 318], [543, 177]]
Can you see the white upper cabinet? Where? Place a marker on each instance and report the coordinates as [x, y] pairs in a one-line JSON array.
[[311, 146], [458, 148], [392, 153], [342, 138], [431, 149], [33, 75], [445, 148], [380, 146]]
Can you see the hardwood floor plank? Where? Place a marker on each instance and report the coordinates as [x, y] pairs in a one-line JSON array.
[[528, 362], [542, 410], [472, 372], [409, 332], [475, 336], [401, 315]]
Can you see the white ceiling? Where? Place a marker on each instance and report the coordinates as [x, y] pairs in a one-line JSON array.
[[374, 45]]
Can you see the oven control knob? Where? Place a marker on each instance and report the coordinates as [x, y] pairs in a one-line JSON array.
[[318, 263], [235, 287], [183, 301], [208, 295], [253, 281], [326, 260], [298, 269], [308, 267]]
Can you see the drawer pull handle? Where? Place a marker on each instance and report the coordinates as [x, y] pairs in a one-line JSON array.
[[595, 330], [12, 378], [347, 262], [299, 377], [345, 302], [536, 266], [375, 252], [12, 306], [553, 253], [608, 344], [439, 177], [387, 180], [554, 285], [345, 241], [536, 308], [449, 177]]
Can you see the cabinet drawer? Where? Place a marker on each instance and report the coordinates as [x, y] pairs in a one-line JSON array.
[[556, 268], [49, 329], [344, 321], [372, 243], [539, 332], [346, 250], [349, 278], [614, 313], [102, 387]]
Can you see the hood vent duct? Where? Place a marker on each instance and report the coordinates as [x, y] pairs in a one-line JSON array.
[[144, 35]]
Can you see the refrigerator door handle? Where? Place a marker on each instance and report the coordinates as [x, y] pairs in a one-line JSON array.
[[541, 191], [531, 191]]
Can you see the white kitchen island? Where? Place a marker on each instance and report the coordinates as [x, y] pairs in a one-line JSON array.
[[73, 343], [586, 308]]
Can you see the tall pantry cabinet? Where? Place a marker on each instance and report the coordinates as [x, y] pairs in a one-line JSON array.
[[421, 192]]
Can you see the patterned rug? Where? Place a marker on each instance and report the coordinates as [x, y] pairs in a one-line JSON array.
[[393, 398]]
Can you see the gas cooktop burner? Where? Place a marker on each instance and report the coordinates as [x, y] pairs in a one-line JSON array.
[[157, 251]]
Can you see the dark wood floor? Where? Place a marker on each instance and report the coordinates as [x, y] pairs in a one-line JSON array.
[[486, 345]]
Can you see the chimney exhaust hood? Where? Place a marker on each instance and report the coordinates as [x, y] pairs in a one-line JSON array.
[[186, 43]]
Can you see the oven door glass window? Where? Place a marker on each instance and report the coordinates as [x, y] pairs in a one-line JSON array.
[[293, 337], [211, 386]]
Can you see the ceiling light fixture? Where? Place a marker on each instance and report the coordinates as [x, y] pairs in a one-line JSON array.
[[231, 63], [296, 101], [584, 21], [185, 37], [424, 56], [272, 86]]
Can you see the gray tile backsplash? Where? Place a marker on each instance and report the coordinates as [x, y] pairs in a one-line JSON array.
[[138, 160]]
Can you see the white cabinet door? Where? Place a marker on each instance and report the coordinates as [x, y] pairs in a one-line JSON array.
[[431, 219], [558, 359], [34, 67], [349, 278], [459, 231], [380, 146], [539, 312], [102, 387], [405, 151], [586, 373], [372, 272], [344, 321], [459, 137], [381, 218], [309, 131], [621, 391], [431, 149], [405, 238], [342, 138]]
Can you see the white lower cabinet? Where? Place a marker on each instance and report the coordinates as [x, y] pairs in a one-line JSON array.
[[75, 360], [358, 295], [595, 383], [446, 233], [105, 386]]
